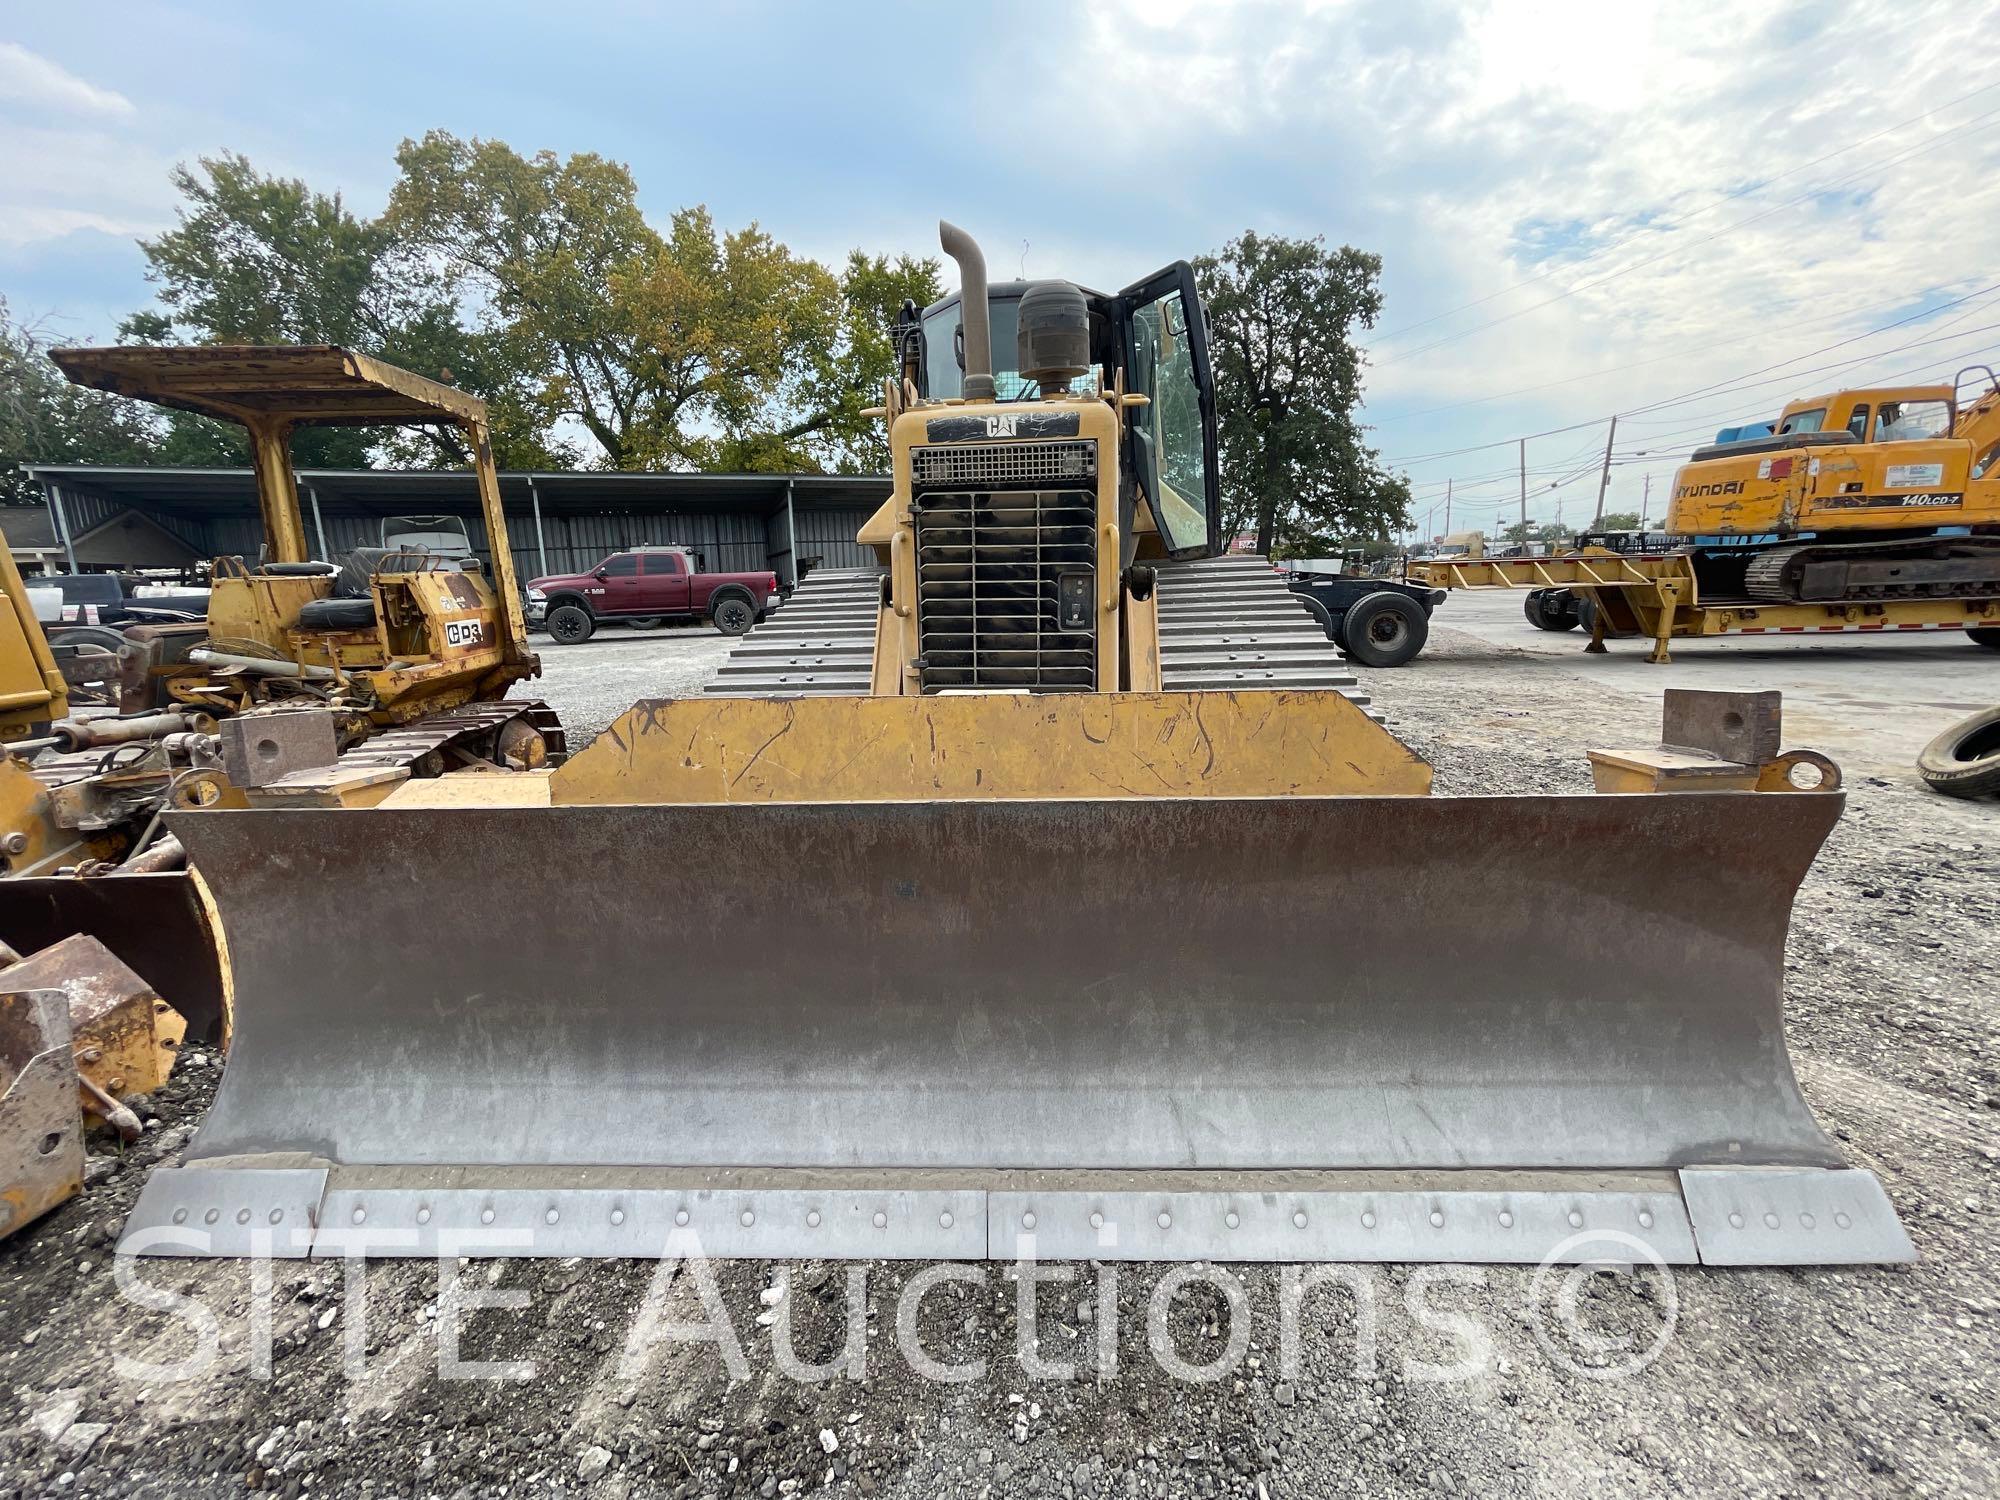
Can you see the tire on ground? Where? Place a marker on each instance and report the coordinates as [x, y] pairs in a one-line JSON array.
[[733, 614], [570, 625], [1384, 629], [1558, 607], [1985, 635], [1964, 761]]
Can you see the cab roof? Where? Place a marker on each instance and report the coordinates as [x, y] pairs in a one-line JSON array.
[[1871, 395], [319, 385]]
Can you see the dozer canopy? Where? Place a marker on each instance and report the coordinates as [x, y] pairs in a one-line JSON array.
[[1240, 1027]]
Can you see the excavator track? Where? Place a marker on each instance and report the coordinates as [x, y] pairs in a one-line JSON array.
[[1956, 567]]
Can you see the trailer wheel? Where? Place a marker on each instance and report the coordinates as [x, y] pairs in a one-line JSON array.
[[1321, 614], [733, 615], [1532, 608], [1558, 610], [1384, 629], [1985, 635], [1964, 761], [571, 625]]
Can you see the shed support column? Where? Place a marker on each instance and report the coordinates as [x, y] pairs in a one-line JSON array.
[[61, 518], [319, 526], [541, 542], [791, 537]]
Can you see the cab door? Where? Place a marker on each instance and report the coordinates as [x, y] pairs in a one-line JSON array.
[[1171, 440], [666, 582], [620, 585]]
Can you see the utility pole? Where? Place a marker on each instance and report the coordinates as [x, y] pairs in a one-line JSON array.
[[1447, 507], [1604, 479], [1524, 493], [1645, 502]]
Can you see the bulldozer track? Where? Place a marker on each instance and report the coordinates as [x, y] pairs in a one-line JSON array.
[[1226, 623], [409, 743], [819, 643], [1777, 576], [1230, 623]]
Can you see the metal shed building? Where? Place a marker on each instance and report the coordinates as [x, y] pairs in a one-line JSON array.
[[556, 523]]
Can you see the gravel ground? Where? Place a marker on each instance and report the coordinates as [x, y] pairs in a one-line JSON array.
[[1773, 1382]]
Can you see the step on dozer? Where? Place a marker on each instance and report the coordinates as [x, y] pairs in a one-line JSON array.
[[1020, 950]]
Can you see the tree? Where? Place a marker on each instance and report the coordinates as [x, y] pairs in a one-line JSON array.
[[826, 428], [538, 243], [697, 348], [45, 419], [1282, 314], [1618, 520], [1537, 531], [266, 260]]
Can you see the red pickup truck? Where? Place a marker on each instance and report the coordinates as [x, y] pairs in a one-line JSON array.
[[648, 586]]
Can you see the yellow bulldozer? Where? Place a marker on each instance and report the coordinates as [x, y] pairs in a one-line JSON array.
[[1041, 889], [311, 682]]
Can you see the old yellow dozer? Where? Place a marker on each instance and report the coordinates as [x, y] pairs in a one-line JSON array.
[[334, 681], [1045, 888]]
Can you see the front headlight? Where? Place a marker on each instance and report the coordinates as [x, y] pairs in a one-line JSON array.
[[536, 596]]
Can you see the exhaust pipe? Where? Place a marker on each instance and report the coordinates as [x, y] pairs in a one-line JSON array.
[[973, 311]]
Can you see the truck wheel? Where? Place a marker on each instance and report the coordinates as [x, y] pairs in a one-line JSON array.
[[647, 622], [733, 615], [1384, 629], [1964, 761], [1985, 635], [571, 625]]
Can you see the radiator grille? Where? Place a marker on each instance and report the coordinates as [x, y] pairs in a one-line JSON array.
[[1003, 463], [987, 565]]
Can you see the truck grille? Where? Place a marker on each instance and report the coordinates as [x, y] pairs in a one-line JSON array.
[[988, 561]]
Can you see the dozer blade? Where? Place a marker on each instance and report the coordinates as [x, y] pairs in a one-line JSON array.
[[1258, 1028], [157, 924]]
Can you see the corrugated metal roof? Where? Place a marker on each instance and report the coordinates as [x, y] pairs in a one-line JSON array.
[[207, 493]]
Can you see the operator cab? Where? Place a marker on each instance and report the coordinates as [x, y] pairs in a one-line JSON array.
[[1153, 332]]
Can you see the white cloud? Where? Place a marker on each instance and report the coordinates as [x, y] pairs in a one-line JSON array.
[[31, 80], [1586, 150]]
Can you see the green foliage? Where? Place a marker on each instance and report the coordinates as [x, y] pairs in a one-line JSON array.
[[1538, 531], [1618, 520], [1295, 465], [45, 419], [702, 347]]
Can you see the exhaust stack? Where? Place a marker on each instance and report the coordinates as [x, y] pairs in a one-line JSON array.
[[973, 311]]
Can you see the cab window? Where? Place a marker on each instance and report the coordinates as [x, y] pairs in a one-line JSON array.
[[1913, 421], [1803, 421], [663, 563], [622, 566], [1163, 368], [1858, 423]]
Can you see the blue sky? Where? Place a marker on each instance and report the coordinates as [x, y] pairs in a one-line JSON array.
[[1582, 208]]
